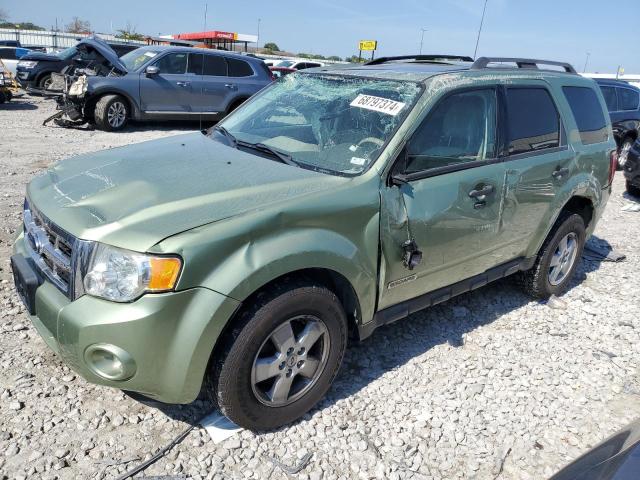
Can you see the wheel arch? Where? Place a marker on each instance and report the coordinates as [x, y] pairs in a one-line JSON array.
[[90, 104]]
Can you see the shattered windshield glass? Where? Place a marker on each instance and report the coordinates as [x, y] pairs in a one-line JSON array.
[[330, 123], [138, 57]]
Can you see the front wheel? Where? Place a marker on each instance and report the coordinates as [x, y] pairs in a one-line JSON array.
[[111, 113], [558, 258], [281, 357]]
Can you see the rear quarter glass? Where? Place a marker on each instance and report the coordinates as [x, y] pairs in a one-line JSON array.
[[587, 113]]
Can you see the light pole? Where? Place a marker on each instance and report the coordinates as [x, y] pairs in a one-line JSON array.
[[422, 38], [258, 39], [586, 62], [475, 53]]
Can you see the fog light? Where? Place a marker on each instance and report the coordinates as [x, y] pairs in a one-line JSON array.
[[110, 362]]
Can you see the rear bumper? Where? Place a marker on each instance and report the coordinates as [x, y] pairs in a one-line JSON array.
[[167, 338]]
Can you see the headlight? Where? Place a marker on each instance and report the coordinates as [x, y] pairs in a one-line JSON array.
[[27, 64], [122, 276]]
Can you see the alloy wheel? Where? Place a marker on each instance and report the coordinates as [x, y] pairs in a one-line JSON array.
[[116, 114], [563, 259], [290, 361], [624, 153]]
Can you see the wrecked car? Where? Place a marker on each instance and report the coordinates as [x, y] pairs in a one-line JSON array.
[[157, 83], [35, 70], [238, 260]]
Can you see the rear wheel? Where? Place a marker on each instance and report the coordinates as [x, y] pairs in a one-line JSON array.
[[633, 190], [558, 258], [281, 357], [111, 113]]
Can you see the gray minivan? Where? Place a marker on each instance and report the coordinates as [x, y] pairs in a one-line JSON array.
[[166, 83]]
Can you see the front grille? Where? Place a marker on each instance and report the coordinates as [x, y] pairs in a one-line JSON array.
[[50, 248]]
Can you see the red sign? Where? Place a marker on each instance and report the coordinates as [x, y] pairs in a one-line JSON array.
[[212, 34]]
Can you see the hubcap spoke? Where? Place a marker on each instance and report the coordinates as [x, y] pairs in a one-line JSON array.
[[310, 335], [555, 260], [281, 388], [283, 337], [266, 368], [310, 367]]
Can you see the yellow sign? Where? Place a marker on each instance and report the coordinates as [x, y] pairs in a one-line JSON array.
[[368, 44]]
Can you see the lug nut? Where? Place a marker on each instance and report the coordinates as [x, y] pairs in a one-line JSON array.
[[301, 351], [300, 363], [290, 351], [281, 367], [289, 372]]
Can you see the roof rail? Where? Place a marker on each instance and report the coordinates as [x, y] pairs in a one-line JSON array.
[[483, 62], [421, 58]]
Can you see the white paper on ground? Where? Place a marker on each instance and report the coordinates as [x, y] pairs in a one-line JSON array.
[[219, 427]]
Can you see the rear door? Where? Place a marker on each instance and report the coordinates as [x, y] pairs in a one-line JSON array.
[[538, 161], [212, 88], [171, 89], [451, 203]]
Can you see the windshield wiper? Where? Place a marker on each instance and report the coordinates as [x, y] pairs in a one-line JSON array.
[[228, 135], [261, 147]]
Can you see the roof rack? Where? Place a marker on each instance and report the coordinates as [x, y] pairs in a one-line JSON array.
[[527, 63], [421, 58]]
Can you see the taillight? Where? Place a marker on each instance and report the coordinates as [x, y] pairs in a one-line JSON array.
[[613, 165]]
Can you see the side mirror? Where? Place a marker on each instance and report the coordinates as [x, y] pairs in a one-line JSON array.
[[151, 70]]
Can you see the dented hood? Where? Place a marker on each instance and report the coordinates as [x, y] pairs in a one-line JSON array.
[[136, 196], [105, 50]]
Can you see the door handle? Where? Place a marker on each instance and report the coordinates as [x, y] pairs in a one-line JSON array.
[[481, 193], [183, 84], [232, 86], [560, 172]]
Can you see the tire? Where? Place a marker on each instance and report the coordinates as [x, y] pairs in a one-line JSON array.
[[247, 394], [633, 190], [544, 279], [623, 154], [111, 113], [45, 81]]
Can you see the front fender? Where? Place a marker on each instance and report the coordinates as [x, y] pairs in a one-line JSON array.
[[104, 86], [238, 256]]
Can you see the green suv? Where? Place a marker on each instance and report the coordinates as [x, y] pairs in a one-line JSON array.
[[239, 260]]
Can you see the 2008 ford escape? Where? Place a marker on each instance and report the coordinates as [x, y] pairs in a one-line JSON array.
[[334, 201]]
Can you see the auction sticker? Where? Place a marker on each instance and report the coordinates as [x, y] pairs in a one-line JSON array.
[[378, 104]]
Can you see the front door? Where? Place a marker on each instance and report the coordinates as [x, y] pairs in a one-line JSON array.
[[450, 201], [171, 89]]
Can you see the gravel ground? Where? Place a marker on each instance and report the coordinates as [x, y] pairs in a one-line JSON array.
[[489, 385]]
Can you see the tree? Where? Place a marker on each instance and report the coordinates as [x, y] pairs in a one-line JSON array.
[[78, 25], [4, 16], [129, 33], [335, 58], [271, 46], [21, 25], [355, 59]]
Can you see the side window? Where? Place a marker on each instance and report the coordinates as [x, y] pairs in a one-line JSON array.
[[239, 68], [610, 97], [301, 66], [588, 114], [215, 66], [195, 64], [628, 99], [533, 122], [174, 63], [461, 129]]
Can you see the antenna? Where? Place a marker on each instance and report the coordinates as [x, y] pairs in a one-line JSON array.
[[206, 6], [475, 53]]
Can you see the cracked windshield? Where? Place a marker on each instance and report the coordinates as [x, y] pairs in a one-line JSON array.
[[323, 122]]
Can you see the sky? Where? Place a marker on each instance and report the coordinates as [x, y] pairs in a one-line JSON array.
[[564, 30]]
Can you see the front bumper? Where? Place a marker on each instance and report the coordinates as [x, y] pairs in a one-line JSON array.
[[169, 336]]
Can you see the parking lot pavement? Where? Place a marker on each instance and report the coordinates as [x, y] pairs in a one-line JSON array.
[[488, 385]]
